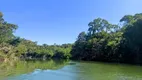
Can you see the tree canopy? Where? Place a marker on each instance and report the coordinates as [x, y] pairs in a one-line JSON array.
[[110, 42]]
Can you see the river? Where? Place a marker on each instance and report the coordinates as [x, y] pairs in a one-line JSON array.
[[68, 70]]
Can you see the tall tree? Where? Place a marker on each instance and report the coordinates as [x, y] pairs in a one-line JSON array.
[[6, 29]]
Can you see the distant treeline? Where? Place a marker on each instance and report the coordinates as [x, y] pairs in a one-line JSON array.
[[13, 47], [102, 42]]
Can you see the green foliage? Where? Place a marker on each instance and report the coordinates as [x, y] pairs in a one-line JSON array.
[[6, 30], [103, 42], [16, 47], [110, 42]]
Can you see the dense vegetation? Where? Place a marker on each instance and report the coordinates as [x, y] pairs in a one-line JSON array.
[[110, 42], [102, 42], [12, 47]]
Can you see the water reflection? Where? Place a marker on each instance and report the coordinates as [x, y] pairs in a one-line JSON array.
[[108, 71], [15, 68], [68, 70]]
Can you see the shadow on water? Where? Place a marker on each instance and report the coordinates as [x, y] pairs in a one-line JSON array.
[[109, 71], [15, 68]]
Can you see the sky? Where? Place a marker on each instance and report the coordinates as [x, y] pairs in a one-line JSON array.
[[60, 21]]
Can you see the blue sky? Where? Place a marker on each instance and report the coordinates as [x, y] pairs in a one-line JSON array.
[[60, 21]]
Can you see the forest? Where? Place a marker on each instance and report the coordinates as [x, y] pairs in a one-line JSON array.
[[102, 41]]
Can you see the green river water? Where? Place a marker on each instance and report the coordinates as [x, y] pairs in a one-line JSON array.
[[68, 70]]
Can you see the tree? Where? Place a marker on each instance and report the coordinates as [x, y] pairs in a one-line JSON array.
[[6, 30]]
